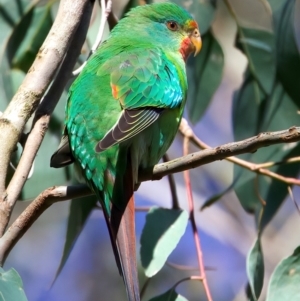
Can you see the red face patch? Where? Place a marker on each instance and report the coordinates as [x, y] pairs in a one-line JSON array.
[[185, 48]]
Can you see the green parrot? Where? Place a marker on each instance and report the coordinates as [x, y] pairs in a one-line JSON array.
[[123, 112]]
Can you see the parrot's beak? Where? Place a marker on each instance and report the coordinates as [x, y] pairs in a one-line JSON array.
[[196, 40]]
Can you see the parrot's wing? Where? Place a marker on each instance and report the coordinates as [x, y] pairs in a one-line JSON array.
[[145, 83], [129, 124]]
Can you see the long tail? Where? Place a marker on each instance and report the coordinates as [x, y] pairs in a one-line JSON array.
[[121, 226], [125, 240]]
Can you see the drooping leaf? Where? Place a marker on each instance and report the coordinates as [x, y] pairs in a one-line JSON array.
[[284, 283], [255, 269], [11, 286], [161, 234], [28, 36], [80, 209], [170, 295], [204, 76], [11, 12], [288, 55], [277, 190], [259, 47], [254, 113]]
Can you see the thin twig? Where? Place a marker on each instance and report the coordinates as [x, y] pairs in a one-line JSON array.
[[181, 267], [256, 189], [105, 12], [175, 202], [293, 198], [34, 210], [274, 163], [187, 181], [187, 268], [236, 148]]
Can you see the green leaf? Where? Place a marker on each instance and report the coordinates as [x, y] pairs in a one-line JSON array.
[[284, 283], [255, 269], [254, 113], [28, 36], [11, 286], [259, 47], [80, 210], [288, 56], [161, 234], [204, 76], [10, 13], [169, 295], [277, 190]]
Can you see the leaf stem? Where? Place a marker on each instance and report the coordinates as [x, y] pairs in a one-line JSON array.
[[193, 222], [105, 12]]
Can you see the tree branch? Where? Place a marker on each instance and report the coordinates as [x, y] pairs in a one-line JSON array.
[[193, 160], [27, 98], [34, 210], [257, 168], [37, 80], [206, 156]]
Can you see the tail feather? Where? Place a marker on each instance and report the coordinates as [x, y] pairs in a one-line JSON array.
[[125, 240], [121, 226]]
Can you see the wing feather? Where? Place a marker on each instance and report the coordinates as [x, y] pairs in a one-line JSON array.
[[130, 123]]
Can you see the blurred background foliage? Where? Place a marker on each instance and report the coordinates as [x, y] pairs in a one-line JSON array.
[[245, 80]]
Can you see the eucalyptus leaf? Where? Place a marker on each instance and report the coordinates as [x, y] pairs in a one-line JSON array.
[[204, 76], [288, 55], [259, 47], [11, 11], [161, 234], [255, 269], [28, 36], [11, 286], [253, 113], [80, 209], [284, 283]]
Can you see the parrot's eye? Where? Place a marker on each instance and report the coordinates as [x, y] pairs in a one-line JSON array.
[[172, 25]]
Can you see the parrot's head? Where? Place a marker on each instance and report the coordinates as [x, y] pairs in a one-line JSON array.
[[164, 24]]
